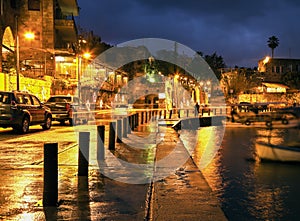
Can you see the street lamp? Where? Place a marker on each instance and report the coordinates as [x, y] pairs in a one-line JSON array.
[[85, 55], [266, 60], [17, 54], [29, 35]]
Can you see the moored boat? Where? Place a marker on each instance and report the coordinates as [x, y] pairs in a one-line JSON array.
[[294, 123], [289, 152]]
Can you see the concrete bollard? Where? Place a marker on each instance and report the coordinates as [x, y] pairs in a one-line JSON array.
[[129, 122], [50, 193], [83, 153], [132, 122], [100, 142], [142, 118], [146, 117], [124, 127], [137, 120], [128, 125], [119, 131], [170, 114], [112, 136]]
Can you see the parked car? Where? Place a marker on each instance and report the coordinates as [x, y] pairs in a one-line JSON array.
[[19, 110], [67, 108]]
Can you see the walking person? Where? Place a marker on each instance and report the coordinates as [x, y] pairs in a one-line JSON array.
[[197, 107]]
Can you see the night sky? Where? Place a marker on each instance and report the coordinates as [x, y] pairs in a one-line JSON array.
[[237, 30]]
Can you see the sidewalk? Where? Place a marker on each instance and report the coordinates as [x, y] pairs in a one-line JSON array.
[[183, 195]]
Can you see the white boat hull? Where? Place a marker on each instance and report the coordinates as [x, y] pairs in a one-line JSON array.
[[267, 151]]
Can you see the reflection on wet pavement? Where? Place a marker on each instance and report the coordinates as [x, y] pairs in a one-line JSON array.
[[95, 197]]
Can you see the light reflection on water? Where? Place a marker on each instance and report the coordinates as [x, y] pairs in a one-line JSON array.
[[247, 189]]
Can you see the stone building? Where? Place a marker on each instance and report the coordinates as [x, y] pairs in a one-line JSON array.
[[8, 12], [274, 68], [47, 38]]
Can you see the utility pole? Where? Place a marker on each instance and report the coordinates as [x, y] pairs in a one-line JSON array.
[[17, 54]]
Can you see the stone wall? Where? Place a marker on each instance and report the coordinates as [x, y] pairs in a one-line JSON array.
[[39, 87], [38, 51]]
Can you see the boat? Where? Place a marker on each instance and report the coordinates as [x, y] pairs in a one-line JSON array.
[[276, 124], [288, 152]]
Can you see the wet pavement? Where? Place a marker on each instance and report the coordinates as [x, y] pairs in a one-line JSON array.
[[182, 195], [185, 194]]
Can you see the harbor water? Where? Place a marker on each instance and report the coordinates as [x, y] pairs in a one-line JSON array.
[[246, 188]]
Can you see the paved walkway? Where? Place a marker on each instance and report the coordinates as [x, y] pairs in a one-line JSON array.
[[182, 195]]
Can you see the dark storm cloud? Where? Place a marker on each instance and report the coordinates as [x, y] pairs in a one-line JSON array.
[[238, 30]]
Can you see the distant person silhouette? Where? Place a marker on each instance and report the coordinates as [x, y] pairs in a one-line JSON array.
[[197, 109]]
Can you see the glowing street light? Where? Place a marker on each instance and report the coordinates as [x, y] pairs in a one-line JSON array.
[[29, 35], [86, 55], [266, 60]]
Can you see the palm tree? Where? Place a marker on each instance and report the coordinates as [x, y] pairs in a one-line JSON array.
[[273, 42]]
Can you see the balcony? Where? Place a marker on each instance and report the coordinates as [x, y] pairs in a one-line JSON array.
[[69, 7], [66, 32]]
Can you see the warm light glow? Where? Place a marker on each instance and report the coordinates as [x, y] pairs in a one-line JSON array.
[[266, 60], [152, 80], [176, 76], [29, 35], [208, 82], [59, 59], [125, 80], [86, 55]]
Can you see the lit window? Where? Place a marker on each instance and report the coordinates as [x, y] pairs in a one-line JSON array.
[[34, 5]]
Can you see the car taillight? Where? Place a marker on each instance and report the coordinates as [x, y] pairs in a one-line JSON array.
[[70, 111], [68, 106]]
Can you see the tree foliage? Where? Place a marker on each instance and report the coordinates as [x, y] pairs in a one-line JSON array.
[[238, 81], [273, 43], [90, 42], [215, 61], [292, 79]]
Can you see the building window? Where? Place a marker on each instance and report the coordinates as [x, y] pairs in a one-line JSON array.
[[34, 5], [277, 69]]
